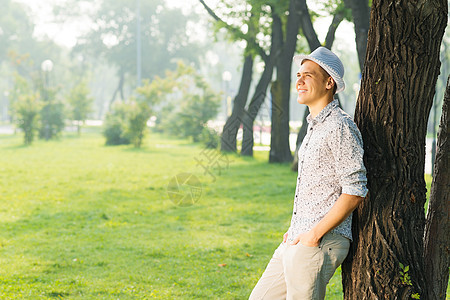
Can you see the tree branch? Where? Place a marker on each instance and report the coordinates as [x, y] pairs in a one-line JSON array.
[[236, 31], [307, 27], [337, 19]]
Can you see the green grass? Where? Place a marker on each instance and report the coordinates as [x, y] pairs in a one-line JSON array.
[[79, 220]]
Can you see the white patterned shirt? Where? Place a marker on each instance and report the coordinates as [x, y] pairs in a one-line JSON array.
[[330, 162]]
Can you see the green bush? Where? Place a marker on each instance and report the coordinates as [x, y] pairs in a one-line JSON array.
[[26, 109], [198, 106], [115, 126], [80, 103], [137, 117], [52, 120], [210, 138]]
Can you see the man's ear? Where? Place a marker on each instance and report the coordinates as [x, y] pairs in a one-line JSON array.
[[330, 83]]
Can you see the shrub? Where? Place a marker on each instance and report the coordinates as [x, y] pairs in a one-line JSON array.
[[210, 138], [137, 117], [80, 103], [115, 125], [196, 109], [52, 119], [26, 109], [51, 115]]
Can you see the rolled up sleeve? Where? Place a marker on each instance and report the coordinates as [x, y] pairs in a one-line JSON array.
[[347, 147]]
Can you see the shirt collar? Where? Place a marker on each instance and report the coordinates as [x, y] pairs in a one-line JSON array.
[[323, 113]]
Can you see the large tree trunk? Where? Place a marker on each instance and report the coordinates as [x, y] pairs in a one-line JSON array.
[[361, 13], [261, 88], [279, 139], [231, 127], [437, 235], [400, 73]]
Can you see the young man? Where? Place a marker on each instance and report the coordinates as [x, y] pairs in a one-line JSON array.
[[331, 183]]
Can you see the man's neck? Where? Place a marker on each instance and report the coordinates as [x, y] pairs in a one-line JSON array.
[[316, 107]]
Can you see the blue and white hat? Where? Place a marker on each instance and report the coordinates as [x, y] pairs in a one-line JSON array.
[[329, 62]]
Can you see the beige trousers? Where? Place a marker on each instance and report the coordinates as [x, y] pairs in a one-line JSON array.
[[300, 272]]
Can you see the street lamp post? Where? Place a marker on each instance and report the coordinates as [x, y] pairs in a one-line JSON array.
[[138, 44], [47, 67]]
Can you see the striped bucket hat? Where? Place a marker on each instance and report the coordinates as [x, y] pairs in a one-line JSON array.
[[329, 62]]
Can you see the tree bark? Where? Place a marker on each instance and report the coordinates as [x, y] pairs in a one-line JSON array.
[[279, 140], [399, 77], [231, 127], [361, 14], [261, 88], [437, 235]]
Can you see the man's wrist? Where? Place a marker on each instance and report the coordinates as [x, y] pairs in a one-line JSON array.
[[316, 235]]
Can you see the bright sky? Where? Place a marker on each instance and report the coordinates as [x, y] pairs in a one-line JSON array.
[[66, 34]]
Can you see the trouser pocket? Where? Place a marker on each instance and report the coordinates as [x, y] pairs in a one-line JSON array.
[[335, 251]]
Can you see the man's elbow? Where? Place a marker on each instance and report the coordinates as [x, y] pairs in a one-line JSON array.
[[358, 200], [354, 200]]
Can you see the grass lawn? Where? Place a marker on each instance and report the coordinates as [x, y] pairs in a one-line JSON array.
[[79, 220]]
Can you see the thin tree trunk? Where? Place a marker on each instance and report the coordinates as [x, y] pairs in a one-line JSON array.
[[261, 89], [118, 89], [231, 127], [361, 14], [279, 139], [437, 235], [399, 77]]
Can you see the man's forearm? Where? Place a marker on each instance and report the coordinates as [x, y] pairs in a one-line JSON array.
[[343, 207]]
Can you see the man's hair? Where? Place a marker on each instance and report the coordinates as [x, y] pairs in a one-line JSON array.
[[325, 73]]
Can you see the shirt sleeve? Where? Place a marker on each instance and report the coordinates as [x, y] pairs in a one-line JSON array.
[[347, 147]]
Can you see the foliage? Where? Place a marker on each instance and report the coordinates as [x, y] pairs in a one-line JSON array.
[[52, 119], [80, 103], [115, 125], [198, 106], [210, 138], [164, 33], [154, 91], [21, 87], [137, 118], [129, 122], [404, 276], [16, 28], [27, 109]]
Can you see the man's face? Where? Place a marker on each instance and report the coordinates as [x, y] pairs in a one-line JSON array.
[[313, 83]]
